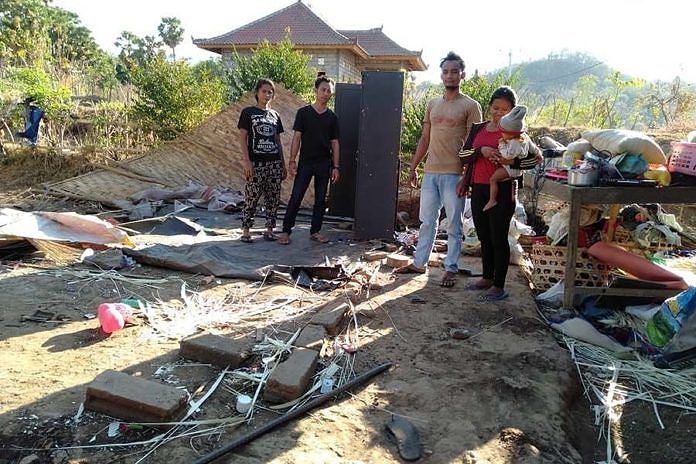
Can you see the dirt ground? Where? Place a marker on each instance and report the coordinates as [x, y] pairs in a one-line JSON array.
[[507, 394]]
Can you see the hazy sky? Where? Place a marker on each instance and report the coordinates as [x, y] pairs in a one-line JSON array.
[[648, 39]]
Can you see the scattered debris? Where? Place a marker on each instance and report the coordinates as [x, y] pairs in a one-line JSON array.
[[45, 316], [459, 333], [614, 382]]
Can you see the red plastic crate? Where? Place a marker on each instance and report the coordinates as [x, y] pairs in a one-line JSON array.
[[683, 158]]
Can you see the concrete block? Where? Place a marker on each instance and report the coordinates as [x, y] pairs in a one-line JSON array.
[[214, 349], [291, 378], [106, 260], [396, 261], [440, 246], [435, 259], [331, 316], [374, 255], [134, 398], [311, 337]]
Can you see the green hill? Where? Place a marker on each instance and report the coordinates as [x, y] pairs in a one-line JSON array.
[[576, 88]]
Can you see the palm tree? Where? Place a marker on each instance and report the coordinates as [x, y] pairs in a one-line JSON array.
[[171, 32]]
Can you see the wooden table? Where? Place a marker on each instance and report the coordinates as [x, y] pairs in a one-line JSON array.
[[578, 196]]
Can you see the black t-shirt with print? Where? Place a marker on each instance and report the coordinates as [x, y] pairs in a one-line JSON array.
[[262, 126], [318, 130]]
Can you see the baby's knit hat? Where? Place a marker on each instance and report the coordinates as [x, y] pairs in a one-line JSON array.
[[514, 120]]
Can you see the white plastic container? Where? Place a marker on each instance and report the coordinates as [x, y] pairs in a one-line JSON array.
[[327, 385], [243, 404]]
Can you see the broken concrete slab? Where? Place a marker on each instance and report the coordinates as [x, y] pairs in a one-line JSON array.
[[217, 350], [331, 316], [311, 337], [291, 378], [370, 256], [397, 261], [435, 259], [390, 247], [440, 246], [107, 260], [134, 398]]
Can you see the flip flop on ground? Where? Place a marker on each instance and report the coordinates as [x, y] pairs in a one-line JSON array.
[[246, 239], [405, 435], [270, 236], [284, 239]]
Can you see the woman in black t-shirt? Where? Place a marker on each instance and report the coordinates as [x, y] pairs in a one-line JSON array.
[[262, 158]]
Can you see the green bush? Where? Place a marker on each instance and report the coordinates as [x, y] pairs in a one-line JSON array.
[[172, 97], [280, 63]]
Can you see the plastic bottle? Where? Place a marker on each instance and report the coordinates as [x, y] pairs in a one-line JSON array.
[[112, 316], [568, 159]]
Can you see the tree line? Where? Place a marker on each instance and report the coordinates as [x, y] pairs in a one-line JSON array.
[[140, 96]]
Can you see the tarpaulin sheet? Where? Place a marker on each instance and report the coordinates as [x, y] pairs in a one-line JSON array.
[[236, 259]]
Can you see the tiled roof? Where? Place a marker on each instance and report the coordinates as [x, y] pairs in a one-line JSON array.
[[305, 27], [377, 43]]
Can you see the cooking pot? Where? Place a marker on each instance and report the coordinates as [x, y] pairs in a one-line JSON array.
[[583, 178]]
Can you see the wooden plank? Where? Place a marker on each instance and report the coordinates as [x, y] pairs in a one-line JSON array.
[[572, 249], [616, 195]]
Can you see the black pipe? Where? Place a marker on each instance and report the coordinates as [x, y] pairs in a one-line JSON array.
[[291, 415]]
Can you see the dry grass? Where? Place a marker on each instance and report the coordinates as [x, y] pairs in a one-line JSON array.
[[27, 167]]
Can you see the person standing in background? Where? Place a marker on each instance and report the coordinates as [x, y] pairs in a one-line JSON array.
[[316, 141]]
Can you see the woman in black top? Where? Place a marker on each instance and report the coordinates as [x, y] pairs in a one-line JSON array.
[[262, 158]]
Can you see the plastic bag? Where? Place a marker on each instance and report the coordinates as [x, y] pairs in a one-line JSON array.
[[553, 295], [668, 321], [630, 165]]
